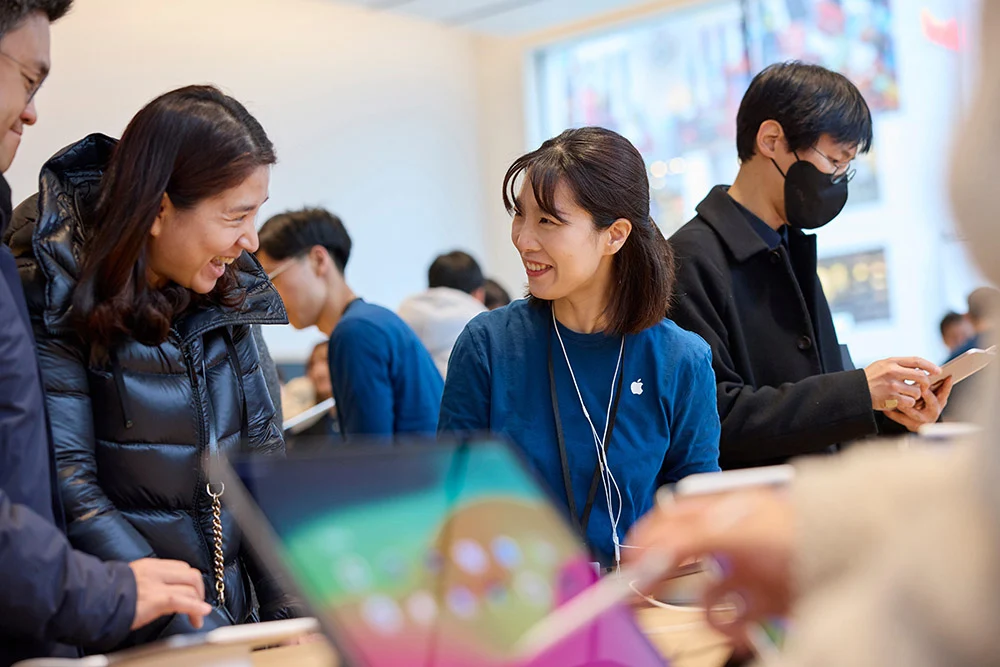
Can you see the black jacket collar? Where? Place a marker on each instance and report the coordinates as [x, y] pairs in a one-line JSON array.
[[723, 215]]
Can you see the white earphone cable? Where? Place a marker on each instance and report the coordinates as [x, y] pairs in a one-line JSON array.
[[607, 478]]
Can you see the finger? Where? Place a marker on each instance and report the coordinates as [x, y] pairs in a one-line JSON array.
[[179, 600], [183, 591], [196, 621], [199, 584], [943, 392], [903, 389], [185, 575], [902, 420], [176, 572], [918, 417], [917, 362], [932, 405], [898, 417], [719, 600], [678, 542], [919, 379]]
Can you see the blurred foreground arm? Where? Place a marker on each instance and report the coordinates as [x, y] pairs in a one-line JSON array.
[[881, 556]]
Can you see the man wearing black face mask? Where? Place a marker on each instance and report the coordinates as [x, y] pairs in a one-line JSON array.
[[747, 281]]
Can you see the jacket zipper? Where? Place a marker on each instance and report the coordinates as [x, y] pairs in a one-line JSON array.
[[204, 442]]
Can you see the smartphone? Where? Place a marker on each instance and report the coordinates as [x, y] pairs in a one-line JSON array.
[[964, 366], [707, 483]]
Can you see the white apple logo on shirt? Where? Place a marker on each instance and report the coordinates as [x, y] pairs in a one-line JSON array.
[[637, 387]]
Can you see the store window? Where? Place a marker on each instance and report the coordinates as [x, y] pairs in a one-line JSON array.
[[672, 84]]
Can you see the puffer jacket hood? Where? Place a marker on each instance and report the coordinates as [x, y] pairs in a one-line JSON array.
[[52, 231], [131, 434]]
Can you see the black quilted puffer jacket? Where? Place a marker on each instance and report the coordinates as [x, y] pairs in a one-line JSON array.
[[131, 435]]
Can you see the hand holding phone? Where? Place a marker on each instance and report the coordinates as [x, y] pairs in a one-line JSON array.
[[964, 366]]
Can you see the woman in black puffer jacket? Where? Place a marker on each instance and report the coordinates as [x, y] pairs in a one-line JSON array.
[[137, 262]]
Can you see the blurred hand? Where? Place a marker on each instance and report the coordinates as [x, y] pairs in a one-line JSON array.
[[167, 587], [887, 381], [926, 411], [749, 533]]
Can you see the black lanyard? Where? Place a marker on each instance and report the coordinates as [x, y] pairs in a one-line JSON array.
[[581, 522]]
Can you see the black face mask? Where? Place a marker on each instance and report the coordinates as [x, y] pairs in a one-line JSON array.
[[812, 199]]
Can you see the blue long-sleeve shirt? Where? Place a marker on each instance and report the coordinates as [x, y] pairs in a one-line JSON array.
[[384, 380], [667, 424]]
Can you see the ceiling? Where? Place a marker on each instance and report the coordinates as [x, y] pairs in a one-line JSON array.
[[499, 17]]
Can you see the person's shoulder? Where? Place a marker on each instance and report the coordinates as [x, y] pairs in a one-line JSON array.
[[679, 346], [695, 239], [364, 319], [700, 255], [413, 304], [515, 316]]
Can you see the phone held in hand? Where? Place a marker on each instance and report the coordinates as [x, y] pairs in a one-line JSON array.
[[964, 366], [708, 483]]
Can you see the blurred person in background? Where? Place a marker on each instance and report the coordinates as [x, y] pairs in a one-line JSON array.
[[494, 295], [956, 331], [301, 393], [882, 556], [54, 598], [984, 313], [454, 296], [305, 392], [142, 295], [318, 372], [384, 380]]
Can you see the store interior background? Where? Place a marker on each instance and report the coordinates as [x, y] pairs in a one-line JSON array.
[[402, 116]]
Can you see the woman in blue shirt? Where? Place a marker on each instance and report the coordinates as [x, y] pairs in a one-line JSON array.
[[607, 398]]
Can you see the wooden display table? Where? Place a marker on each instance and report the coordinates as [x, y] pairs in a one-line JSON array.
[[682, 637]]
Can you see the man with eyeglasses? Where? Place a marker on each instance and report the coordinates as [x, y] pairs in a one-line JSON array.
[[52, 598], [747, 281]]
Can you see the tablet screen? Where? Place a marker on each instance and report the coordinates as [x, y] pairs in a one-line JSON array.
[[432, 555]]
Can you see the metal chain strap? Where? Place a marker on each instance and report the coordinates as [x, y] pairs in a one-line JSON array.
[[220, 562]]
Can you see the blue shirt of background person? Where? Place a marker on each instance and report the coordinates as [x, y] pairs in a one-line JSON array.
[[384, 380], [600, 274]]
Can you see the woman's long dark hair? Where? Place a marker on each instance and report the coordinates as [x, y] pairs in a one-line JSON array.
[[607, 177], [190, 144]]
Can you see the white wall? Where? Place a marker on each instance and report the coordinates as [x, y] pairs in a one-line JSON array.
[[503, 138], [373, 116]]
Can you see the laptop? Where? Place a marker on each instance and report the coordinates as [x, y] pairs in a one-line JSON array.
[[426, 555]]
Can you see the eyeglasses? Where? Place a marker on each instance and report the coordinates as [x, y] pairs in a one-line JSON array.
[[281, 268], [33, 80], [841, 171]]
